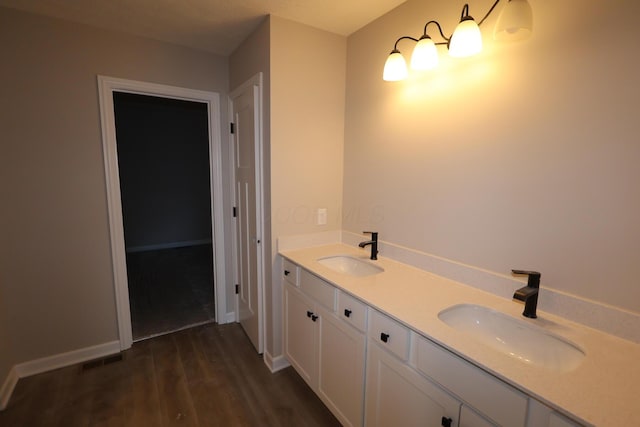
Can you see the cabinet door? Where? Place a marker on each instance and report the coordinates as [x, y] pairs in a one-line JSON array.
[[470, 418], [300, 338], [494, 399], [397, 395], [341, 369]]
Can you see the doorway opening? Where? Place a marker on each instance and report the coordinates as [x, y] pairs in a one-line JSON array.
[[163, 163], [108, 86]]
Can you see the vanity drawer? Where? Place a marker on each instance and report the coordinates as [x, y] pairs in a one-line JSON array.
[[352, 311], [492, 397], [290, 272], [318, 289], [389, 334]]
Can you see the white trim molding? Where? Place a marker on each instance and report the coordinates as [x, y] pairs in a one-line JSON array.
[[229, 317], [69, 358], [106, 87], [50, 363], [275, 364], [7, 388]]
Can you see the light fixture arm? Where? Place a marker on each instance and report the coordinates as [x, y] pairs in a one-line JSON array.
[[424, 32], [464, 14], [489, 12], [465, 41], [395, 46]]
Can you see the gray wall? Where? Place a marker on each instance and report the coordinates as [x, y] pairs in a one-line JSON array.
[[163, 161], [56, 279], [307, 135], [525, 156]]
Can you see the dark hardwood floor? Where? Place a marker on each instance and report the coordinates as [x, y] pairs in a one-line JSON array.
[[209, 375], [170, 289]]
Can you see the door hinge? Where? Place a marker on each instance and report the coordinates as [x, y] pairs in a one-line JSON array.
[[237, 289], [232, 127], [235, 212]]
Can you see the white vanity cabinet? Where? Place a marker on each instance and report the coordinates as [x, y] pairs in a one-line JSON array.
[[396, 394], [290, 272], [341, 369], [410, 377], [470, 418], [302, 346], [328, 352], [372, 370], [301, 334], [489, 396], [557, 420], [541, 415]]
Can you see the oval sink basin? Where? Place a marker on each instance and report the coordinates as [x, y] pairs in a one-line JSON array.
[[514, 337], [350, 265]]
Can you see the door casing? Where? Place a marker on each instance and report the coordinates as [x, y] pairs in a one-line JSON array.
[[106, 87]]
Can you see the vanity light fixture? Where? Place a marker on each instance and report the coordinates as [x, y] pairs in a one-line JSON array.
[[514, 23]]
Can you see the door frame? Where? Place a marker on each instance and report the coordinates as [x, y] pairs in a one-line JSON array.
[[106, 87], [256, 81]]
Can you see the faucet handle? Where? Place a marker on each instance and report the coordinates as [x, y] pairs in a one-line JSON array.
[[373, 233], [534, 277]]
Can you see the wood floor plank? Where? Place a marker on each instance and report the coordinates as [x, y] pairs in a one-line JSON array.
[[205, 376], [218, 404], [145, 399], [175, 398], [194, 362]]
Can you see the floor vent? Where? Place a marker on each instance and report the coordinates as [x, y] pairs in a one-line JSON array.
[[100, 362]]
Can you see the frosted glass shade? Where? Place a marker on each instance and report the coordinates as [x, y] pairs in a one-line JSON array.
[[466, 39], [425, 55], [395, 68], [515, 21]]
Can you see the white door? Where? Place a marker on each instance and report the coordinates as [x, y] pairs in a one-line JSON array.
[[245, 111]]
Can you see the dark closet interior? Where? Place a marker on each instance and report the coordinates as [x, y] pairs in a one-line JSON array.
[[163, 161]]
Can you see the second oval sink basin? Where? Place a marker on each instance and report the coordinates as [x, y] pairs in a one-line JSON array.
[[350, 265], [514, 337]]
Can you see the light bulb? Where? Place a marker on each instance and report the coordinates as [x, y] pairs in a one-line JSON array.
[[515, 21], [395, 68], [466, 39], [425, 55]]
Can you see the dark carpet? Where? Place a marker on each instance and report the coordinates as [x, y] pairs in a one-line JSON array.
[[170, 289]]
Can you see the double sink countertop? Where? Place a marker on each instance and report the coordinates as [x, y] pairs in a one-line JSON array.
[[603, 390]]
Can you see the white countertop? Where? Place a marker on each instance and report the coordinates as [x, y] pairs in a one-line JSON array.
[[603, 390]]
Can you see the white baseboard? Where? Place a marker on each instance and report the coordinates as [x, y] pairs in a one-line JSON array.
[[49, 363], [56, 361], [227, 318], [168, 245], [275, 364], [7, 387]]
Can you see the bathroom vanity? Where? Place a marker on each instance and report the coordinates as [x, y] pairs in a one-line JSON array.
[[369, 341]]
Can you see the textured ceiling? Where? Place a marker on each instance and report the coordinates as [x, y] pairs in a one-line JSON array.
[[216, 26]]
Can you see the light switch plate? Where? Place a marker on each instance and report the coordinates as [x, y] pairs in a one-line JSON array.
[[322, 216]]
